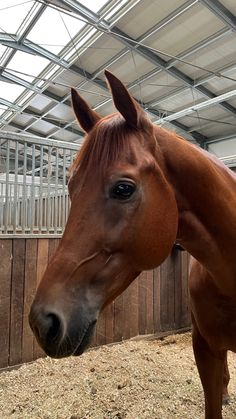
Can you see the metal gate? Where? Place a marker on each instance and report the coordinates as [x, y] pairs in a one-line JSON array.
[[33, 190]]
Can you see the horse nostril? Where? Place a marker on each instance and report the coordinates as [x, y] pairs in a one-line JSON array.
[[47, 327], [53, 327]]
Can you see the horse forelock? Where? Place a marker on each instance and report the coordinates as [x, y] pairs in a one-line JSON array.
[[109, 141]]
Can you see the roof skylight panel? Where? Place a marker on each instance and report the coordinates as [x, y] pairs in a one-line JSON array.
[[10, 91], [54, 30], [12, 14], [27, 66]]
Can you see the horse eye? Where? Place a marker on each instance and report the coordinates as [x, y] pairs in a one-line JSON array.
[[122, 191]]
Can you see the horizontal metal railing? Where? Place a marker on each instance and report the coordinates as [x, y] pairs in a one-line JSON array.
[[33, 190]]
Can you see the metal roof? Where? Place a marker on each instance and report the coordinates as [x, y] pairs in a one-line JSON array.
[[177, 57]]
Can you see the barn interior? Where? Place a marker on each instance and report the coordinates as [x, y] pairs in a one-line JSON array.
[[177, 59]]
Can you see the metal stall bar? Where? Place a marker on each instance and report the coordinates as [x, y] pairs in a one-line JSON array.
[[24, 192], [1, 188], [49, 203], [32, 194], [71, 158], [6, 198], [40, 197], [64, 191], [15, 199], [56, 220]]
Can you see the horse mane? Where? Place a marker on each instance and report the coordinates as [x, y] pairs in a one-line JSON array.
[[103, 145]]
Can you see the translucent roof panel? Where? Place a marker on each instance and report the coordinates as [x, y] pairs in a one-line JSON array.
[[64, 28], [28, 65], [12, 14], [10, 91]]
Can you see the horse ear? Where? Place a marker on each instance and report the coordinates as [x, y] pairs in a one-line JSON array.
[[124, 103], [87, 118]]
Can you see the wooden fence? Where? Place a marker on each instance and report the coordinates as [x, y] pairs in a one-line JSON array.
[[155, 302]]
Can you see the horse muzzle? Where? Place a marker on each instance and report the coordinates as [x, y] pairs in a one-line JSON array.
[[58, 337]]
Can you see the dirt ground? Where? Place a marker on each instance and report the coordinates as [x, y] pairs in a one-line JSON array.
[[133, 380]]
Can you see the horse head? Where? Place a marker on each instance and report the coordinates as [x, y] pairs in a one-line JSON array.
[[123, 219]]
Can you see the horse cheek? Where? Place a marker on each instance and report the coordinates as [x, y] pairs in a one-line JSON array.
[[155, 239]]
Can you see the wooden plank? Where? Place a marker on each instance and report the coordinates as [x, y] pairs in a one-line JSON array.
[[127, 313], [5, 299], [164, 303], [150, 302], [30, 288], [176, 254], [93, 342], [42, 262], [52, 246], [171, 289], [133, 309], [109, 316], [101, 329], [17, 302], [185, 306], [157, 300], [167, 294], [118, 318], [142, 296]]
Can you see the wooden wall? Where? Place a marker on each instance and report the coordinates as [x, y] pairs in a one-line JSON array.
[[155, 302]]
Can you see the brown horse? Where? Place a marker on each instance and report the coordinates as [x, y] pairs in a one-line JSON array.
[[135, 189]]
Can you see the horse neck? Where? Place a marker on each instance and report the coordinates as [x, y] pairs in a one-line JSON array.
[[205, 193]]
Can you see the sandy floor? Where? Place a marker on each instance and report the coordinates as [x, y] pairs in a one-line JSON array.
[[133, 380]]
